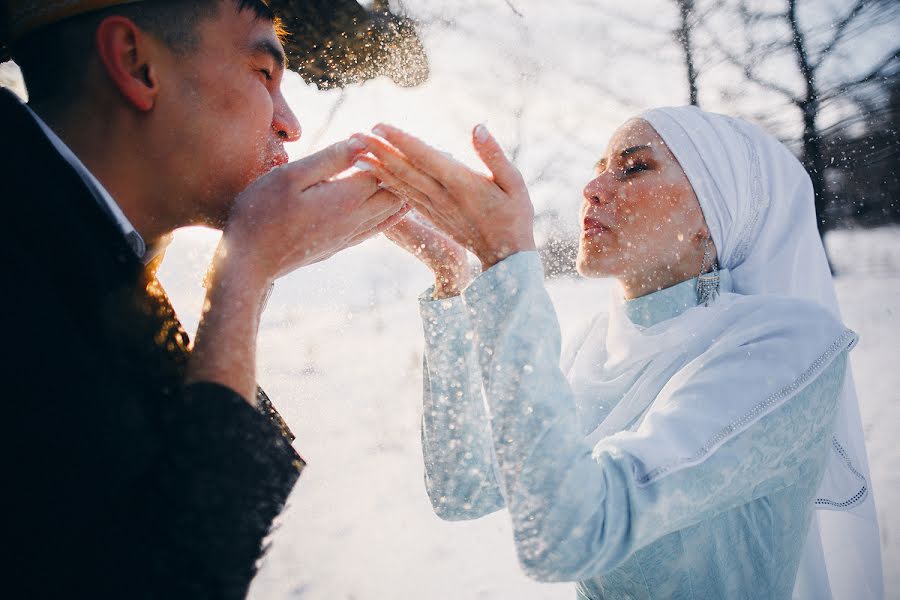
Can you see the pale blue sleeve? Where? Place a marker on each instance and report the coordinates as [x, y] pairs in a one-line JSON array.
[[578, 511], [456, 439]]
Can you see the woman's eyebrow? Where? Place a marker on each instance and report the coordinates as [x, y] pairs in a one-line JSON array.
[[634, 149], [600, 166]]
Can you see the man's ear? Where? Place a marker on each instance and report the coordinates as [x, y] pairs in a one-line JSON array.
[[125, 53]]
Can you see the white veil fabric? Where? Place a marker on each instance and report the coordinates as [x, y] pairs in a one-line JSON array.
[[777, 291]]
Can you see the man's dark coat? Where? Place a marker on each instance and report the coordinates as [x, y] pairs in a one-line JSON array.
[[120, 480]]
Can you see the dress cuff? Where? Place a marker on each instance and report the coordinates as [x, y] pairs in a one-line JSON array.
[[440, 316], [509, 277], [439, 306]]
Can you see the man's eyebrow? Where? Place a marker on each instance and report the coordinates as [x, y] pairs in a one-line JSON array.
[[272, 49], [633, 149]]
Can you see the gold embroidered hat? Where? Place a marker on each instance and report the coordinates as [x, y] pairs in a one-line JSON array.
[[330, 44]]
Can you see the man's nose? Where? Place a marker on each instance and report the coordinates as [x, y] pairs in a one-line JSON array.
[[285, 122]]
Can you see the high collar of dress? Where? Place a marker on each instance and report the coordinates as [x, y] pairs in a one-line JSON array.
[[668, 303]]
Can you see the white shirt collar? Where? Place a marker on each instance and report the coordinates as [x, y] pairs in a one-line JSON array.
[[104, 199]]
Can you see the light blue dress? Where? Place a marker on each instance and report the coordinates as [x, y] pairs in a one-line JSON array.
[[731, 527]]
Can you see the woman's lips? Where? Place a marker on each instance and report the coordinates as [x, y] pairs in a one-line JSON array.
[[594, 227]]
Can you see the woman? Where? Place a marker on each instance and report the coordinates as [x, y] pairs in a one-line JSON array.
[[703, 439]]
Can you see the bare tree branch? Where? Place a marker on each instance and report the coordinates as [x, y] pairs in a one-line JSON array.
[[748, 71], [332, 112], [840, 28], [756, 16], [874, 73], [513, 8]]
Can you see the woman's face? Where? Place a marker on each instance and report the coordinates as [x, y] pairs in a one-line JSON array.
[[641, 222]]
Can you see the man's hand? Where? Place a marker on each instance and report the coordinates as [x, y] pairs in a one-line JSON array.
[[297, 214], [490, 215], [293, 216]]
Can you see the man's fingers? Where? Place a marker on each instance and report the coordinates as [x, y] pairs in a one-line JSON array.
[[506, 175], [325, 164], [432, 162], [348, 193]]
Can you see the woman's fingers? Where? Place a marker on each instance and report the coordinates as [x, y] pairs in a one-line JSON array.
[[506, 175], [411, 235], [381, 206], [391, 181], [399, 165], [447, 171], [374, 227]]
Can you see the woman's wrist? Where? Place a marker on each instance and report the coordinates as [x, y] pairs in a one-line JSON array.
[[450, 282], [500, 252]]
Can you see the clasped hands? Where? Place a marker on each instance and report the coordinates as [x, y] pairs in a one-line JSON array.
[[303, 212], [299, 213], [456, 208]]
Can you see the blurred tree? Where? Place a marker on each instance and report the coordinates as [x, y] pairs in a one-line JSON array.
[[821, 49], [656, 38], [684, 37], [862, 154]]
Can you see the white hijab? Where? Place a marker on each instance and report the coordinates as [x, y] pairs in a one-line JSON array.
[[777, 291]]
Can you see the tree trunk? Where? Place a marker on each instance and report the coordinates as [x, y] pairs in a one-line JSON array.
[[815, 165], [683, 35], [809, 106]]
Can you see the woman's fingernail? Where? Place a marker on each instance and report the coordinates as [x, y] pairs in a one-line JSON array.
[[481, 133], [363, 166], [356, 145], [379, 130]]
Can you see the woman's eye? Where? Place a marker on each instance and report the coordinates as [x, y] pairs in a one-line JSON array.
[[267, 73], [635, 168]]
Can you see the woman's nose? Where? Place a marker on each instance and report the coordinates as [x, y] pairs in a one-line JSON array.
[[593, 191], [285, 122]]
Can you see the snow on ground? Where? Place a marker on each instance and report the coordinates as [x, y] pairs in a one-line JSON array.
[[340, 353]]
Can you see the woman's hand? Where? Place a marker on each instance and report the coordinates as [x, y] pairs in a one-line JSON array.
[[490, 215], [446, 259]]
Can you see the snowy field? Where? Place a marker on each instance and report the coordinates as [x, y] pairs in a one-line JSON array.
[[340, 354]]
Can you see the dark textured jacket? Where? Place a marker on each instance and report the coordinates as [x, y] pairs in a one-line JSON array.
[[120, 480]]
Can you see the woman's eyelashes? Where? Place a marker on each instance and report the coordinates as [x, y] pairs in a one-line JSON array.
[[636, 167], [632, 167]]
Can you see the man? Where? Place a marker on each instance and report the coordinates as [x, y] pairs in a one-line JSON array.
[[140, 466]]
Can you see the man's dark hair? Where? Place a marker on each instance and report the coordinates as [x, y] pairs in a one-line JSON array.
[[54, 59]]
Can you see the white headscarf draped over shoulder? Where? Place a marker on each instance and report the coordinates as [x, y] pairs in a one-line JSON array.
[[758, 203], [662, 385]]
